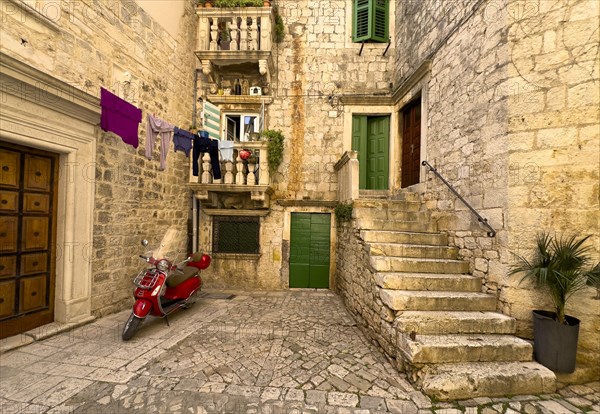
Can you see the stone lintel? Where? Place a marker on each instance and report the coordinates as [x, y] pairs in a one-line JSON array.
[[234, 212], [412, 80], [307, 203]]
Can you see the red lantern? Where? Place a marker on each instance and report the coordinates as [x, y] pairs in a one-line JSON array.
[[245, 154]]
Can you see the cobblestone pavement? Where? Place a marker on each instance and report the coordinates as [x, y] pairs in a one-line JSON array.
[[277, 352]]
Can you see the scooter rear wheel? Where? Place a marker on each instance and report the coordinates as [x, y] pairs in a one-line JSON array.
[[131, 326]]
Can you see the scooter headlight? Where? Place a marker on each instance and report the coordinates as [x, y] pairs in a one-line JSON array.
[[163, 265]]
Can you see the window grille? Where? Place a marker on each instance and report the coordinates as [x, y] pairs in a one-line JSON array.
[[235, 234]]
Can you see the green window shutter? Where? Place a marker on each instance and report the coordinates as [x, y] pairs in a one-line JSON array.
[[380, 21], [370, 21], [361, 21]]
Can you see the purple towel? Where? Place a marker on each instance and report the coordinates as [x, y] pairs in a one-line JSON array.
[[120, 117]]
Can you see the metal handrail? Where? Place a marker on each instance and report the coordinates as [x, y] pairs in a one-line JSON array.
[[482, 220]]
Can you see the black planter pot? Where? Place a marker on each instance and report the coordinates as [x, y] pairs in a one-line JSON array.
[[555, 344]]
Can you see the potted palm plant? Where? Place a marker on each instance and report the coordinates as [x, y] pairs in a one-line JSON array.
[[561, 267]]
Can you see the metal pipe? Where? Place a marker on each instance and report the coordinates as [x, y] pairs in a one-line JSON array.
[[482, 220]]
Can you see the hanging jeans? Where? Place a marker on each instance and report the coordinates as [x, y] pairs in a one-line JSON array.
[[204, 144]]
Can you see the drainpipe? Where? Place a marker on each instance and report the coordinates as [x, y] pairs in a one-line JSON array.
[[194, 224]]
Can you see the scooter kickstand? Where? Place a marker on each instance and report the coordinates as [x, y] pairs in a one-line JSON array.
[[167, 320]]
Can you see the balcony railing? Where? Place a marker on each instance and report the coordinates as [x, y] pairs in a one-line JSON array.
[[348, 175], [248, 28], [235, 35], [237, 176]]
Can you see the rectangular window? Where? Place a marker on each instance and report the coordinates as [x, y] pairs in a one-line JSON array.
[[370, 21], [235, 234], [241, 127]]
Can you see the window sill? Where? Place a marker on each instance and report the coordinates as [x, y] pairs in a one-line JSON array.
[[236, 256]]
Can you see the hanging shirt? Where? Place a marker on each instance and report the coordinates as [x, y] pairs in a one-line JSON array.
[[226, 150], [120, 117], [155, 127], [204, 144], [182, 141]]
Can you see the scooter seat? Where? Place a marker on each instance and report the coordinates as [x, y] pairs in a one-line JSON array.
[[180, 276]]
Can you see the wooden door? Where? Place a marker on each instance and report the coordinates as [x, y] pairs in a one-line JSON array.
[[411, 144], [28, 182], [377, 152], [309, 250], [370, 138]]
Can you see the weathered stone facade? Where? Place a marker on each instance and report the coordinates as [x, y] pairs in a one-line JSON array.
[[89, 46], [506, 121]]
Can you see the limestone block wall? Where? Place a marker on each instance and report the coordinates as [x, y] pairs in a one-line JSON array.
[[512, 123], [318, 60], [465, 109], [93, 44], [555, 135], [356, 285]]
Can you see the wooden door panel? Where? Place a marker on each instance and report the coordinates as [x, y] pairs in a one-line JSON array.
[[37, 173], [34, 263], [8, 266], [8, 234], [32, 293], [9, 201], [35, 233], [7, 299], [411, 144], [9, 168], [36, 203]]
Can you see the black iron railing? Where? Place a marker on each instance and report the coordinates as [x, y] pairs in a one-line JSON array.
[[482, 220]]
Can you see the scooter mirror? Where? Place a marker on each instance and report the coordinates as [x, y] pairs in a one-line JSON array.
[[144, 242]]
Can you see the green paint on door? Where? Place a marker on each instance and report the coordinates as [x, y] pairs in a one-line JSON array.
[[309, 250], [370, 137]]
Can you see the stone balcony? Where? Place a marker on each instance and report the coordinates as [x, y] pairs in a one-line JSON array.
[[250, 39], [239, 179]]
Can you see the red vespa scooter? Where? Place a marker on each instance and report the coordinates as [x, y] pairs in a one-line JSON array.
[[164, 288]]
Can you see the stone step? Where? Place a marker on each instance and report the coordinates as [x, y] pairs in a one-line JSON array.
[[401, 300], [490, 379], [436, 349], [377, 194], [412, 226], [379, 236], [455, 322], [428, 281], [383, 214], [413, 250], [418, 265], [390, 205]]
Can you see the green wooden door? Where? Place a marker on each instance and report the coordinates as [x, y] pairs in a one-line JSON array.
[[309, 250], [370, 137]]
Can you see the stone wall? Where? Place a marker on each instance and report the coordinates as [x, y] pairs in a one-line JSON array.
[[89, 45], [507, 119], [554, 135], [355, 283], [316, 60]]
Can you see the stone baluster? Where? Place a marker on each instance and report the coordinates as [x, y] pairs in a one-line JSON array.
[[244, 34], [214, 30], [206, 169], [239, 177], [263, 173], [265, 33], [253, 43], [251, 178], [228, 172], [203, 34], [233, 30]]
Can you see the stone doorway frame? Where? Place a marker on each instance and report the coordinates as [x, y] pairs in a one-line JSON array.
[[43, 112]]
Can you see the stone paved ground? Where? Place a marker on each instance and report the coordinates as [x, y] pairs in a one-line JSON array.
[[278, 352]]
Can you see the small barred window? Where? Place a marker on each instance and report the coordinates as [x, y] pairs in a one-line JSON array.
[[234, 234]]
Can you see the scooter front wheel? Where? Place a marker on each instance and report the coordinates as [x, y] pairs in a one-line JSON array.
[[131, 326]]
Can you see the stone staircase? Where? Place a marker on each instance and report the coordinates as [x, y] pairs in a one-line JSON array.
[[447, 332]]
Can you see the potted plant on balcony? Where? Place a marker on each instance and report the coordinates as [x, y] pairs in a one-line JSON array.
[[224, 39], [561, 268]]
